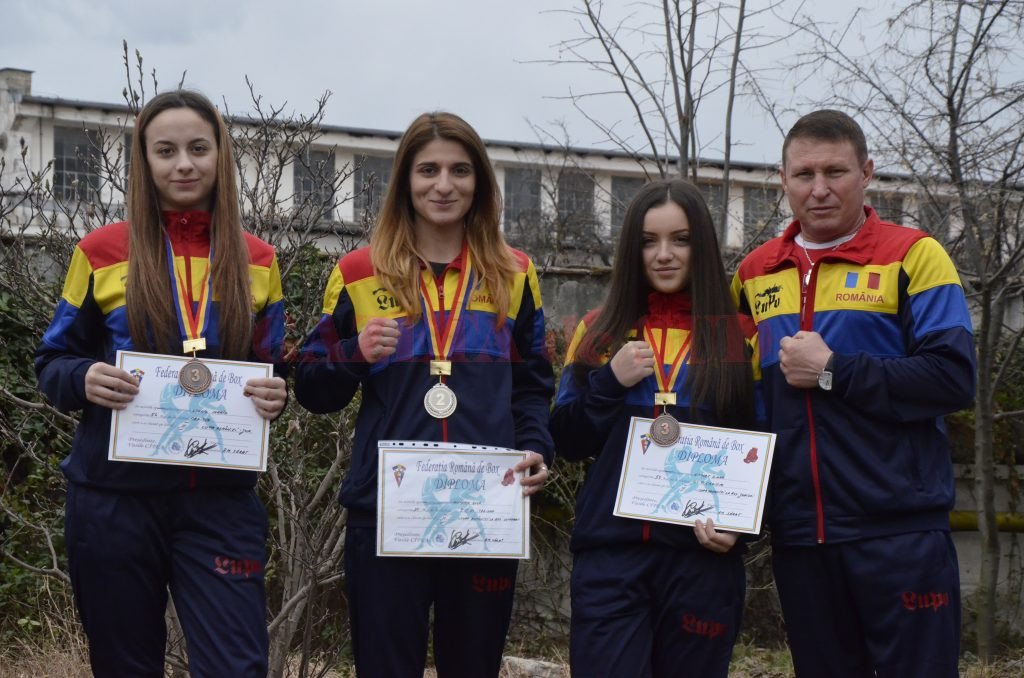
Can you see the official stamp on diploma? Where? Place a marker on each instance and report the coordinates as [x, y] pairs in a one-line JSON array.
[[450, 500], [708, 472], [165, 424]]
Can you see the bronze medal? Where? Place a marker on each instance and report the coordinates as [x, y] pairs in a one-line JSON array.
[[195, 377], [440, 401], [665, 430]]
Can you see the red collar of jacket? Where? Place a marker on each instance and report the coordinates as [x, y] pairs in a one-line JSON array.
[[860, 250], [669, 310], [193, 226]]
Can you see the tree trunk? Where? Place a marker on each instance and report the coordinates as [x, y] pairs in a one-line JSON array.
[[984, 476], [723, 212]]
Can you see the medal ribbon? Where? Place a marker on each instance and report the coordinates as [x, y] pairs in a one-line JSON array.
[[442, 330], [666, 382], [191, 325]]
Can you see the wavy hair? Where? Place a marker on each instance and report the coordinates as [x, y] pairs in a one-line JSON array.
[[151, 316], [396, 261], [720, 375]]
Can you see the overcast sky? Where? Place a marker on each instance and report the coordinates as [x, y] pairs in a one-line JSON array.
[[385, 61]]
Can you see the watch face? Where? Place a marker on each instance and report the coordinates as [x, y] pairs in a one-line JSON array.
[[825, 381]]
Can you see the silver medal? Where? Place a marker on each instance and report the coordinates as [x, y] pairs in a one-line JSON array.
[[440, 401], [195, 377], [665, 430]]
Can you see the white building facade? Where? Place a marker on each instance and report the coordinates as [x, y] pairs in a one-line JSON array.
[[70, 139]]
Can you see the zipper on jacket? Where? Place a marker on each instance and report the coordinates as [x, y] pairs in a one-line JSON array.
[[185, 252], [187, 256], [814, 472], [807, 324], [645, 533], [439, 284]]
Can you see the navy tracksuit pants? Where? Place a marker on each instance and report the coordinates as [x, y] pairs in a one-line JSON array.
[[206, 547], [389, 602], [886, 607], [648, 611]]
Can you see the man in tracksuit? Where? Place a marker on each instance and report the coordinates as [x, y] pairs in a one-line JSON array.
[[865, 343]]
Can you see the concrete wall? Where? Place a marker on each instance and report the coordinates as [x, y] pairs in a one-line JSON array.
[[968, 547]]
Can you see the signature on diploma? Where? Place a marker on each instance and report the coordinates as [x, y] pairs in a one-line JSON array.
[[196, 447], [459, 539], [692, 508]]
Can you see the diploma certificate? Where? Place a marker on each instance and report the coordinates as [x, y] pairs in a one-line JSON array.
[[716, 473], [450, 500], [164, 424]]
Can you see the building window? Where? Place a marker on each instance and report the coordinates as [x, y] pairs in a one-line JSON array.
[[888, 207], [760, 215], [314, 184], [934, 215], [624, 189], [714, 197], [76, 161], [575, 198], [522, 199], [371, 183]]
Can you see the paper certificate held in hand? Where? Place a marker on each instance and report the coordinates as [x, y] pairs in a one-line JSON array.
[[166, 424], [450, 500], [708, 472]]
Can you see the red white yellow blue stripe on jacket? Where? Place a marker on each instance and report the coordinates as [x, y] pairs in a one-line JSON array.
[[91, 324], [863, 296], [501, 377], [870, 457]]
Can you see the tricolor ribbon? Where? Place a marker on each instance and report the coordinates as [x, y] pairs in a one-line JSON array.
[[191, 325], [440, 324], [667, 380]]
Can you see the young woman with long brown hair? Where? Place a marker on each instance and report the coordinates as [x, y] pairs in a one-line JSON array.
[[136, 531], [436, 259], [653, 599]]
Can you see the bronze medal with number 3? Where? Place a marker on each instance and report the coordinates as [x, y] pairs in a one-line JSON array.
[[665, 430], [195, 377]]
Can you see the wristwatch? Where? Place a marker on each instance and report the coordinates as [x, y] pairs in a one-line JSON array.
[[825, 378]]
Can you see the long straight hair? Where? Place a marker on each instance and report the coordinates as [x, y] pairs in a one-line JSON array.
[[149, 296], [719, 372], [396, 262]]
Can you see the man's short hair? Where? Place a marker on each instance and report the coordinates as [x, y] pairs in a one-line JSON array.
[[828, 125]]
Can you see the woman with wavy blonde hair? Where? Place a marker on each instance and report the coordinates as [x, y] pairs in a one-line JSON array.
[[180, 276], [398, 240], [437, 267]]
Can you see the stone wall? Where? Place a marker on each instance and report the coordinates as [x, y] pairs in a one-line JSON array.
[[569, 293]]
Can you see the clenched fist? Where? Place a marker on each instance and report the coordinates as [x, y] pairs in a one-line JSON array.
[[378, 339], [802, 357], [633, 363]]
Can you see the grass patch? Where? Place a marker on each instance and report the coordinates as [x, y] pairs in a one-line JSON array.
[[748, 661]]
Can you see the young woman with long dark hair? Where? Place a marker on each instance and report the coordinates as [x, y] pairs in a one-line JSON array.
[[653, 599], [136, 531], [437, 265]]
